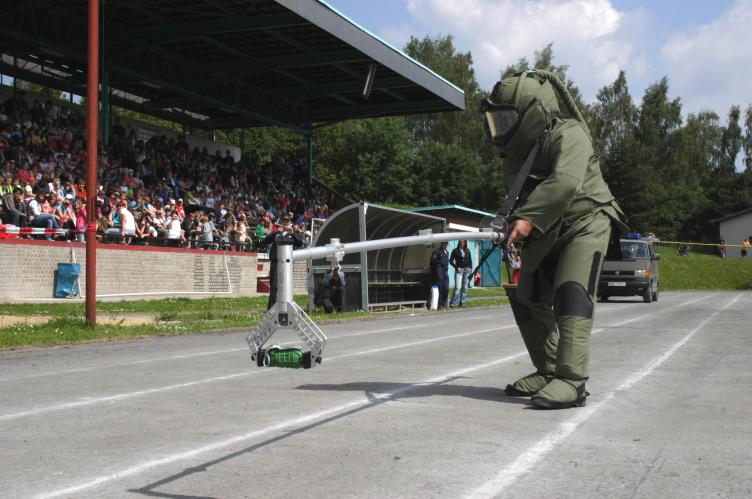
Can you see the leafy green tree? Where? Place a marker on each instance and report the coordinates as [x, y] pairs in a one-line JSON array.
[[747, 159], [747, 141], [367, 159], [613, 116], [544, 59], [726, 186], [476, 173], [448, 173], [731, 141], [657, 204], [265, 144], [463, 128]]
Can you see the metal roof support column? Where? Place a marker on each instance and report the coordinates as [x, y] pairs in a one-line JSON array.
[[92, 104], [362, 209], [309, 145]]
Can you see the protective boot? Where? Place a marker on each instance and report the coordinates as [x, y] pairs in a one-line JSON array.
[[537, 325], [580, 256], [539, 332], [560, 394], [573, 308], [528, 385]]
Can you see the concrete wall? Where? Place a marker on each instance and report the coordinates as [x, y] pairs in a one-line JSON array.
[[28, 267], [734, 231]]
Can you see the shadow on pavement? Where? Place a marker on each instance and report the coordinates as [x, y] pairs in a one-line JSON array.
[[377, 393], [410, 390]]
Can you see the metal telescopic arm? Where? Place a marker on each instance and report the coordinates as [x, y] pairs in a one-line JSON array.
[[286, 314], [338, 250]]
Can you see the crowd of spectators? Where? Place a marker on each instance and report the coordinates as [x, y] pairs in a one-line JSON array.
[[159, 191]]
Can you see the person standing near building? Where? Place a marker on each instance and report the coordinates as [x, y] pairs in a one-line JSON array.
[[564, 214], [333, 292], [440, 273], [462, 262], [745, 248]]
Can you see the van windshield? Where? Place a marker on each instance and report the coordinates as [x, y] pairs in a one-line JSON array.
[[631, 250]]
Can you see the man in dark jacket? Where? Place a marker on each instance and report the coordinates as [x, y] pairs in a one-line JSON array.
[[14, 210], [333, 293], [440, 273], [462, 262], [285, 231]]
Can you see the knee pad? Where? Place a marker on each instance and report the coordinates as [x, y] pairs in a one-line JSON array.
[[572, 299]]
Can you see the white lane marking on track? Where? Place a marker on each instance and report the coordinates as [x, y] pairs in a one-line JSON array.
[[140, 468], [633, 319], [240, 349], [122, 364], [302, 420], [538, 451], [123, 396], [421, 342], [128, 395], [220, 352]]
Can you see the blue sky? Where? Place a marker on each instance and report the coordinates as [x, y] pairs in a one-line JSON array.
[[703, 47]]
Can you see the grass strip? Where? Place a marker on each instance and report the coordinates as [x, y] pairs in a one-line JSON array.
[[698, 271], [172, 305], [71, 330]]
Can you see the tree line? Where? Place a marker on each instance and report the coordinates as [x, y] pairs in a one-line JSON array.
[[672, 175]]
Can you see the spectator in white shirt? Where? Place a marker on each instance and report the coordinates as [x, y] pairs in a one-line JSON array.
[[127, 227]]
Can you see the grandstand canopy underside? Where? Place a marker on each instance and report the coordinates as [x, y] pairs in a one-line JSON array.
[[222, 64]]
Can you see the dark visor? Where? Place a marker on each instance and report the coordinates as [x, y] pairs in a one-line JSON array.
[[500, 118]]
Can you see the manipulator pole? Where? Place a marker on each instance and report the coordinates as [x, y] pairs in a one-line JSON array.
[[286, 314]]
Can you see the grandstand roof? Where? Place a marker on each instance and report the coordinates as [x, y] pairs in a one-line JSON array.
[[216, 64]]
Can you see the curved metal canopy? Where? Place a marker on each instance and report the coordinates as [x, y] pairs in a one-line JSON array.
[[385, 275]]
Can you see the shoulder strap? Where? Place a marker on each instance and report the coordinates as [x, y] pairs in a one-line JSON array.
[[519, 181]]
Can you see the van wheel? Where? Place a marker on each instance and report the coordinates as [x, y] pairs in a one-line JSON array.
[[647, 295], [655, 294]]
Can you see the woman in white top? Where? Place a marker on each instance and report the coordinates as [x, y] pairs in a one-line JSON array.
[[127, 224], [174, 230]]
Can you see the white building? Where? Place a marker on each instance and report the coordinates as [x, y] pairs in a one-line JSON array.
[[734, 229]]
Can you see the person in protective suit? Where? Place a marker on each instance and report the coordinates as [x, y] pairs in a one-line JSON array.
[[564, 215]]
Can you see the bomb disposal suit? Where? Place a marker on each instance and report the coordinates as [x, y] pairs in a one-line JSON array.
[[564, 215]]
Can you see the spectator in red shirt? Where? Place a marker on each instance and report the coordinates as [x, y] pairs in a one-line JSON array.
[[180, 209]]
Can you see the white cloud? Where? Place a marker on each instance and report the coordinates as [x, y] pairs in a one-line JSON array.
[[587, 34], [709, 67], [398, 36]]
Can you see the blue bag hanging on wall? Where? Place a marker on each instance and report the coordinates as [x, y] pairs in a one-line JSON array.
[[66, 285]]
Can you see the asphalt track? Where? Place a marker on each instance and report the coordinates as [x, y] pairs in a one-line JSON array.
[[404, 407]]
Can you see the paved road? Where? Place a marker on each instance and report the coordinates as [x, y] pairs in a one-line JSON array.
[[405, 407]]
